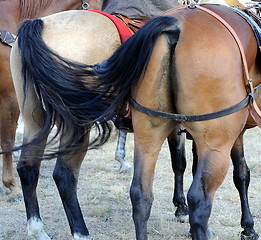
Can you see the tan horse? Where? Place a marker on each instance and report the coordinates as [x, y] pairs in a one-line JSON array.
[[76, 112], [65, 26], [12, 13]]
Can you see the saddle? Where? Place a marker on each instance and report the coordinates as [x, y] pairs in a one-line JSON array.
[[133, 24], [254, 12], [252, 15]]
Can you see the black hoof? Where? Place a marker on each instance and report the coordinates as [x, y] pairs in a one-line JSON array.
[[249, 235]]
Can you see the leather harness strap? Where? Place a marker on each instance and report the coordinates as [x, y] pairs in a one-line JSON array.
[[190, 118], [250, 99]]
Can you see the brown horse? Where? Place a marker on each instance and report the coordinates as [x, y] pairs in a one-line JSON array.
[[241, 173], [74, 118], [12, 13]]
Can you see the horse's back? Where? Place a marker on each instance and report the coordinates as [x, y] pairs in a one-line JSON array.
[[83, 36]]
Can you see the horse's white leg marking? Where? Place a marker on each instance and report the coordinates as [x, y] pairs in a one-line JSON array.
[[35, 229], [78, 236], [121, 153]]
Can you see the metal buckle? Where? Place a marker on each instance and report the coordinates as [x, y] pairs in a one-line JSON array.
[[85, 5]]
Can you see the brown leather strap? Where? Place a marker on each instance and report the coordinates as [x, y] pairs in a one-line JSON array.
[[234, 34], [191, 118], [133, 24]]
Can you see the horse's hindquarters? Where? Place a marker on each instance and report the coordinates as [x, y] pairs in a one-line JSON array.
[[208, 64], [81, 36]]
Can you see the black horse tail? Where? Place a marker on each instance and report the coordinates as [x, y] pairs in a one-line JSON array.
[[59, 85], [77, 96]]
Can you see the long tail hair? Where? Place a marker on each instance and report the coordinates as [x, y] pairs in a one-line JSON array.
[[77, 96]]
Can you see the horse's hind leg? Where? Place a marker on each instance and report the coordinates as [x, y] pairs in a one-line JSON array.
[[9, 116], [65, 175], [30, 158], [241, 176], [148, 141], [176, 141], [120, 152], [213, 150], [211, 170], [141, 187], [28, 170]]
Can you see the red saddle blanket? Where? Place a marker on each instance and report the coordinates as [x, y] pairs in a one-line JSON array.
[[123, 30]]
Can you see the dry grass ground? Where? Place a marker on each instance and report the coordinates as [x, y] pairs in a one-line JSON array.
[[104, 197]]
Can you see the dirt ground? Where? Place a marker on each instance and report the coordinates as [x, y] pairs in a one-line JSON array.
[[104, 198]]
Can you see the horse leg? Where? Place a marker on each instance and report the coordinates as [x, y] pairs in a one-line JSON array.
[[28, 170], [211, 170], [9, 117], [30, 158], [65, 175], [141, 189], [121, 153], [176, 141], [241, 176], [213, 151], [29, 165], [148, 139]]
